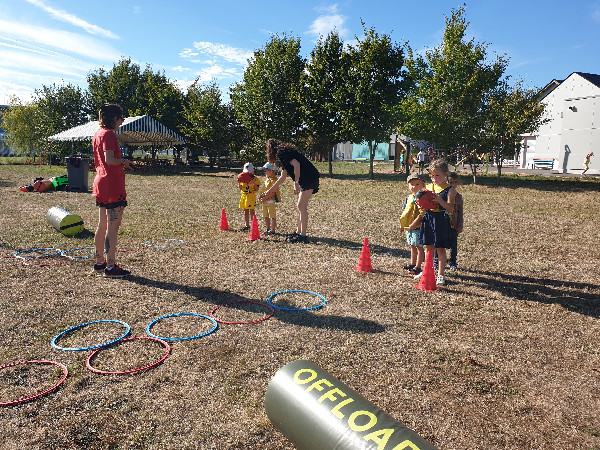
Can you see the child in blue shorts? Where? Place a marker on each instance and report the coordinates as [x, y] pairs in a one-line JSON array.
[[410, 221]]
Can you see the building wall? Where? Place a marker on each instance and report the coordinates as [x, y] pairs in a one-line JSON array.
[[573, 130]]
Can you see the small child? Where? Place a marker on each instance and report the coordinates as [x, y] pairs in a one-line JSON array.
[[248, 184], [456, 220], [269, 212], [435, 224], [411, 221]]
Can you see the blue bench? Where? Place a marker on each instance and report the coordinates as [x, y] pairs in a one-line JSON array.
[[546, 164]]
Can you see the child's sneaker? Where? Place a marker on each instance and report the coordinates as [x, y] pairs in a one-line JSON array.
[[409, 267], [453, 267], [99, 267], [440, 280], [418, 276], [115, 272], [245, 229], [267, 232], [415, 270]]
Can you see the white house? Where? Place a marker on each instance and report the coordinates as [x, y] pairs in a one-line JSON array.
[[573, 107]]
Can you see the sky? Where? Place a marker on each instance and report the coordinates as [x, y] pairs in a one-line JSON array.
[[45, 42]]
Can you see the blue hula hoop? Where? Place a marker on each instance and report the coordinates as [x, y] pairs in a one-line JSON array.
[[175, 243], [151, 324], [16, 255], [64, 253], [75, 349], [296, 309]]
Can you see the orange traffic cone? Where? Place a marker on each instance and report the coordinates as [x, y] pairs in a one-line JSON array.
[[427, 280], [224, 225], [254, 233], [364, 261]]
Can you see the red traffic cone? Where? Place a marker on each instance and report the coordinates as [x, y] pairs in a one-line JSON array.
[[364, 261], [254, 233], [224, 225], [427, 280]]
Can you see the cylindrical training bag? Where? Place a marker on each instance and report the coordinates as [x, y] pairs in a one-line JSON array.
[[64, 221], [315, 410]]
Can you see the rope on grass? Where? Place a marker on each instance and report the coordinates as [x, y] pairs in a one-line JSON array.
[[76, 327], [88, 361], [245, 322], [39, 394], [296, 309], [45, 255], [168, 243], [151, 324]]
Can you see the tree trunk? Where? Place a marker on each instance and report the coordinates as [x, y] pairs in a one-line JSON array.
[[330, 158], [371, 158], [407, 158]]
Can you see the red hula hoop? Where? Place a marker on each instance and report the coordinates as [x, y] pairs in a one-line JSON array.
[[39, 394], [243, 323], [88, 361]]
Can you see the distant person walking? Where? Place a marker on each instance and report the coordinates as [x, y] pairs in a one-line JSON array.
[[304, 175], [421, 160], [586, 162], [109, 189]]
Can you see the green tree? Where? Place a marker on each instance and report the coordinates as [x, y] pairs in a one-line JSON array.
[[268, 99], [325, 81], [511, 112], [373, 90], [23, 126], [138, 92], [448, 88], [208, 121]]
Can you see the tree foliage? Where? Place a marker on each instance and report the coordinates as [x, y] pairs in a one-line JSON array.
[[268, 99], [324, 98], [373, 91], [448, 90], [138, 92]]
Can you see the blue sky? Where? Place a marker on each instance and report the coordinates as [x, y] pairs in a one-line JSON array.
[[60, 41]]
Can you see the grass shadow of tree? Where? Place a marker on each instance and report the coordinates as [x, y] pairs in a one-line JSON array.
[[301, 318], [582, 298]]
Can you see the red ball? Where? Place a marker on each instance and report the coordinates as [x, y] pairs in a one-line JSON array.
[[425, 199], [245, 177]]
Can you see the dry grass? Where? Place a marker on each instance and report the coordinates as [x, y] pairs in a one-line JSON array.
[[506, 356]]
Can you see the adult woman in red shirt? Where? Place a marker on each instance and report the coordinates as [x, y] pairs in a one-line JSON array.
[[109, 189]]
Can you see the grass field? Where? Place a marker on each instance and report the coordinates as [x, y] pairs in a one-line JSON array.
[[506, 356]]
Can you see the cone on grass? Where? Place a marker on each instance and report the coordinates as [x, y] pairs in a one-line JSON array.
[[427, 280], [254, 233], [224, 225], [364, 261]]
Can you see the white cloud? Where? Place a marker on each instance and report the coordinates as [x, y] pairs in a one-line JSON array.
[[180, 69], [73, 20], [329, 20], [224, 51], [62, 40], [188, 53], [217, 72]]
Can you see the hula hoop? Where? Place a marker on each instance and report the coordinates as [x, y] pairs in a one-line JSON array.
[[39, 394], [296, 309], [65, 253], [242, 323], [175, 242], [88, 361], [75, 349], [151, 324], [16, 255], [19, 261]]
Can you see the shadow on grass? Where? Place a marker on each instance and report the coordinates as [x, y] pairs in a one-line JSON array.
[[351, 245], [310, 319], [546, 183], [581, 298]]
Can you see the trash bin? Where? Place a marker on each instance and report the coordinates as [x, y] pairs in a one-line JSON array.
[[78, 170]]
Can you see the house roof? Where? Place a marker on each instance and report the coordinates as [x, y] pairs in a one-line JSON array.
[[592, 78]]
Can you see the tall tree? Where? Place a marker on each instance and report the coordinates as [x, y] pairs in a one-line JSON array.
[[511, 112], [373, 90], [138, 92], [207, 119], [22, 124], [324, 99], [267, 100], [448, 89]]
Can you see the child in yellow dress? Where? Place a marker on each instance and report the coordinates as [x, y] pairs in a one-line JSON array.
[[249, 185], [269, 211], [410, 222]]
